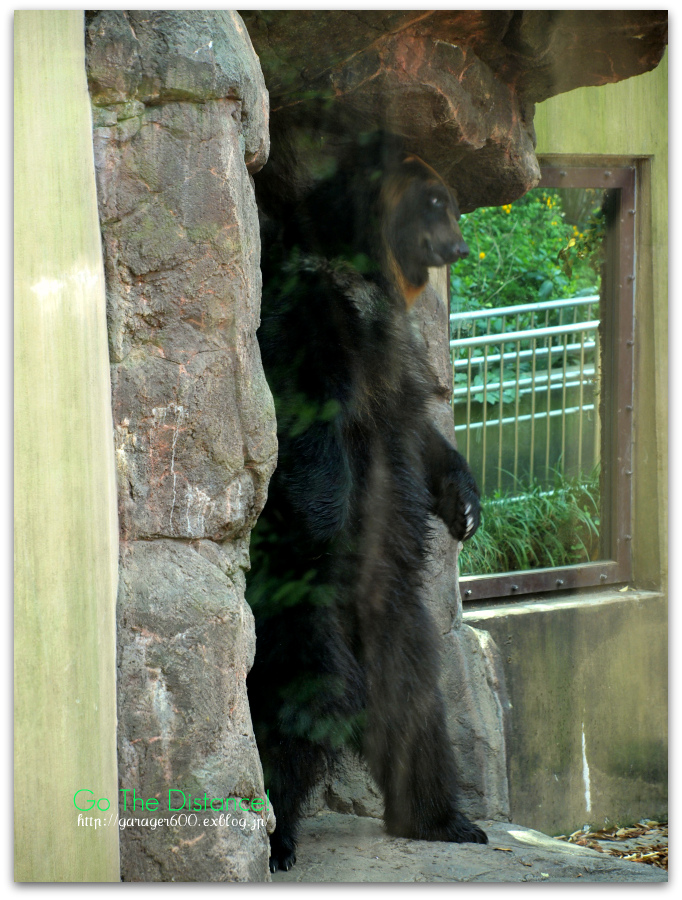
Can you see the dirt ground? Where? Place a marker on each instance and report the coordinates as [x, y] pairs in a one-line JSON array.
[[343, 848]]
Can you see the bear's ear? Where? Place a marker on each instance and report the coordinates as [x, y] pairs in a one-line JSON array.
[[421, 169]]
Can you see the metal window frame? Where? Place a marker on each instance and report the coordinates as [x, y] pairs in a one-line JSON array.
[[617, 398]]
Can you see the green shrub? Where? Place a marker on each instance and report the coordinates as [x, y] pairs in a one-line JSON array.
[[535, 528], [529, 251]]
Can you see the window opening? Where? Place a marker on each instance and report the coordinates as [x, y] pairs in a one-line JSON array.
[[542, 353]]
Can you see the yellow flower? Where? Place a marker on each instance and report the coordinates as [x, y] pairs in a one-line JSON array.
[[507, 208], [481, 255]]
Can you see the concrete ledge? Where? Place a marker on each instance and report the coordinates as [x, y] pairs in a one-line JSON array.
[[541, 603], [587, 680]]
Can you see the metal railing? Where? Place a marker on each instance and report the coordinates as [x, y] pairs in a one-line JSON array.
[[526, 387]]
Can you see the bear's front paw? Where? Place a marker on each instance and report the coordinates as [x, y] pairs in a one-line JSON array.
[[459, 505], [471, 516]]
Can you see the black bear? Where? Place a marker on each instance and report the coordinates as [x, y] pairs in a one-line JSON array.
[[346, 652]]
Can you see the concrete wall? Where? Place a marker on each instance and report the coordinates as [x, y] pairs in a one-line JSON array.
[[625, 122], [66, 535], [587, 674], [587, 683]]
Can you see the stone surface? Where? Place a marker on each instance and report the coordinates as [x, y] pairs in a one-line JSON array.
[[185, 644], [158, 56], [191, 406], [353, 790], [547, 52], [441, 590], [180, 116], [478, 715], [459, 85], [337, 848], [472, 678]]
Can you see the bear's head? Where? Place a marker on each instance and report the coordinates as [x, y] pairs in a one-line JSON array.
[[383, 210], [419, 224]]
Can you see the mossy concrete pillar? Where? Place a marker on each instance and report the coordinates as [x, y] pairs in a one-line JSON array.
[[66, 536]]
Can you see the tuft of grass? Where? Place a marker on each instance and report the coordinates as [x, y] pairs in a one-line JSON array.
[[534, 527]]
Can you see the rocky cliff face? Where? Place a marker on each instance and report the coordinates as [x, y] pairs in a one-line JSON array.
[[459, 85], [181, 119]]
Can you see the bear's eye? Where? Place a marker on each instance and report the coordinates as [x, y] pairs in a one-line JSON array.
[[436, 201]]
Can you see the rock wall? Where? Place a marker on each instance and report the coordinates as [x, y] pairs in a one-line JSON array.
[[180, 121], [472, 679], [459, 85]]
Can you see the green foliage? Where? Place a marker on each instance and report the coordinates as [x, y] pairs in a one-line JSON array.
[[546, 246], [584, 246], [536, 528], [304, 701], [270, 594], [527, 252]]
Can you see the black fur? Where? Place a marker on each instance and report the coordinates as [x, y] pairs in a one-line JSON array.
[[346, 650]]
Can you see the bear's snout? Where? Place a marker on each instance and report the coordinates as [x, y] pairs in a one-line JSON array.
[[457, 249]]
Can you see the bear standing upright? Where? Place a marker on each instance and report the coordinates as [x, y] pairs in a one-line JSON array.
[[346, 652]]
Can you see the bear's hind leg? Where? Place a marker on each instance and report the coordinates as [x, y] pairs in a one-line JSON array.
[[407, 744], [305, 692], [293, 771], [426, 805]]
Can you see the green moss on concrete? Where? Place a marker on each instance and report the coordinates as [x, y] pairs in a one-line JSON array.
[[645, 759]]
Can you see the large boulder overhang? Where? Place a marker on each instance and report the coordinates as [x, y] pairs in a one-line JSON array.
[[459, 86]]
